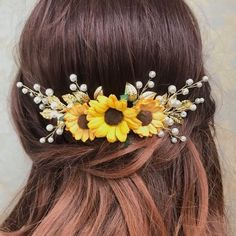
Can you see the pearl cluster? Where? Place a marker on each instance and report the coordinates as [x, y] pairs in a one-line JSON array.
[[74, 85], [47, 103], [176, 106]]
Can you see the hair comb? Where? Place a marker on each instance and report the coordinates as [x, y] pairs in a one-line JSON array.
[[110, 117]]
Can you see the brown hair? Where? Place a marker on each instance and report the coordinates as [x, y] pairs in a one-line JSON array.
[[146, 187]]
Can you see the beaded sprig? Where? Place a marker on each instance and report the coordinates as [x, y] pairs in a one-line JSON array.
[[111, 117]]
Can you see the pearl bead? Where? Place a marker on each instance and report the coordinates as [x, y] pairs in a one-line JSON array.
[[50, 139], [199, 84], [185, 91], [19, 84], [59, 131], [45, 101], [31, 94], [37, 100], [177, 103], [53, 105], [189, 82], [175, 131], [25, 90], [172, 89], [73, 77], [54, 114], [36, 87], [73, 87], [159, 98], [205, 78], [161, 134], [183, 114], [83, 87], [193, 107], [197, 100], [42, 140], [169, 121], [152, 74], [49, 92], [41, 107], [174, 140], [49, 127], [139, 84], [183, 138], [202, 100], [151, 84]]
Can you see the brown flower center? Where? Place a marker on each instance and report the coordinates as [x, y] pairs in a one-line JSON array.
[[145, 117], [113, 116], [82, 122]]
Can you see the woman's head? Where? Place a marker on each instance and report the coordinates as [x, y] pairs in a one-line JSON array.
[[148, 187]]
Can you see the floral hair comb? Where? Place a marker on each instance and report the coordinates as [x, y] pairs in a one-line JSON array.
[[111, 117]]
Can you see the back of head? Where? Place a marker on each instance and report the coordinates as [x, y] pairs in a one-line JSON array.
[[146, 187]]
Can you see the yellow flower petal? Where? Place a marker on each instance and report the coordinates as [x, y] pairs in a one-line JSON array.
[[95, 122], [99, 107], [133, 123], [157, 123], [111, 134], [78, 134], [85, 136], [143, 130], [152, 129], [102, 131], [120, 135], [130, 113], [124, 128], [102, 99], [158, 116]]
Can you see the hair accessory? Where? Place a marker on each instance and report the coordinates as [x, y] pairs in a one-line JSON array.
[[111, 117]]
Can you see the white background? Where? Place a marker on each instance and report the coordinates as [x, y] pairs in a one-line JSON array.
[[218, 24]]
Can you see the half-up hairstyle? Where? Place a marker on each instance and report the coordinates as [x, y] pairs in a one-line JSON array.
[[147, 186]]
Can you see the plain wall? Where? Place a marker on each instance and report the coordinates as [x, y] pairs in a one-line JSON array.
[[218, 24]]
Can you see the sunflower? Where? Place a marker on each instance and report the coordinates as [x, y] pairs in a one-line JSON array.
[[111, 118], [150, 113], [76, 122]]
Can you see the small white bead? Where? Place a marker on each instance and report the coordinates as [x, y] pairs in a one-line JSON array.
[[25, 90], [193, 107], [42, 140], [139, 84], [174, 140], [59, 131], [177, 103], [83, 87], [197, 100], [199, 84], [185, 91], [205, 78], [161, 134], [49, 92], [151, 84], [183, 114], [31, 94], [53, 105], [189, 82], [45, 101], [73, 77], [152, 74], [159, 98], [37, 100], [169, 121], [19, 84], [36, 87], [183, 138], [50, 139], [172, 89], [202, 100], [54, 114], [175, 131], [73, 87], [49, 127], [41, 107]]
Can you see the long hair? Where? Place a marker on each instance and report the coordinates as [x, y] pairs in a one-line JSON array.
[[147, 187]]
